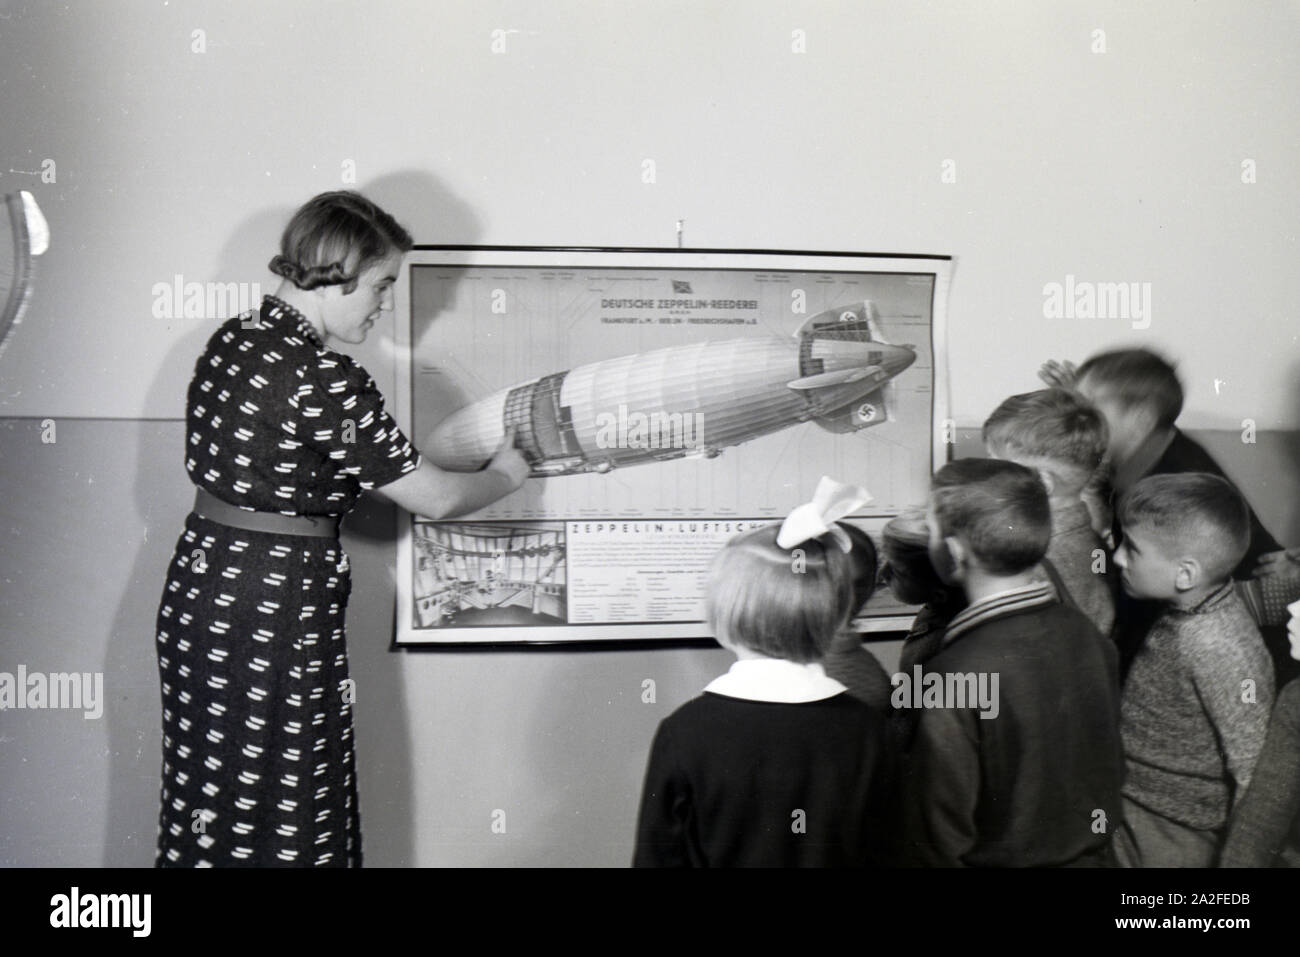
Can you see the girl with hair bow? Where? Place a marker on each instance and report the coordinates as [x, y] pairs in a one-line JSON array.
[[775, 764]]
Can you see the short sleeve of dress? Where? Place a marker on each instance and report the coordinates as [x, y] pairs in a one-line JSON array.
[[345, 419]]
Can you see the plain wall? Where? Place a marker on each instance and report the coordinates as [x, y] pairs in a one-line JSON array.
[[1115, 166]]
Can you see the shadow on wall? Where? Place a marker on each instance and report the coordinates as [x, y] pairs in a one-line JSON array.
[[162, 495]]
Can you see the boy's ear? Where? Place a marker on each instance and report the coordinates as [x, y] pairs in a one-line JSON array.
[[1188, 574], [959, 557]]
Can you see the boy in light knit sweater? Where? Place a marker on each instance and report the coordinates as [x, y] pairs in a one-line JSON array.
[[1196, 706]]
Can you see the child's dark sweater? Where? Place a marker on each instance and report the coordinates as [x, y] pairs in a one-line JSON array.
[[1265, 827], [858, 670], [740, 783], [1038, 785], [1190, 740]]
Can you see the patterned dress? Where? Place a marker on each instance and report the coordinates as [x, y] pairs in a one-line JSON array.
[[258, 766]]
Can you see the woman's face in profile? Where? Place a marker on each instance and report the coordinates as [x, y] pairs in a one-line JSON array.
[[350, 316]]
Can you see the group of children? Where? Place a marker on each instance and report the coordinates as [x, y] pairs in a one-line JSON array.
[[1082, 686]]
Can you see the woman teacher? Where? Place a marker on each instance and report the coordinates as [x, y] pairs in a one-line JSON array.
[[283, 434]]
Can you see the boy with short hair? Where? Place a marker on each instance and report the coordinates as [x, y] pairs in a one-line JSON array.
[[1196, 706], [1034, 780], [1140, 396], [1064, 438]]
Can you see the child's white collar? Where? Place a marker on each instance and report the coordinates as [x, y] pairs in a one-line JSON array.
[[775, 679]]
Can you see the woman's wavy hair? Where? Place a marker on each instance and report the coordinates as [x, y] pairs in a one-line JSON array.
[[334, 238]]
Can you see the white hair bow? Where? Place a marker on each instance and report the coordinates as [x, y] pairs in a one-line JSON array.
[[831, 502]]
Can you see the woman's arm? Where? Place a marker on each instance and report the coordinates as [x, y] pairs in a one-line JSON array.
[[437, 494]]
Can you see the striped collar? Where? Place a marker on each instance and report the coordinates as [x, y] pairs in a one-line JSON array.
[[775, 679], [997, 606]]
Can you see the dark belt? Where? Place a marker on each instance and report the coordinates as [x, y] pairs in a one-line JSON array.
[[207, 505]]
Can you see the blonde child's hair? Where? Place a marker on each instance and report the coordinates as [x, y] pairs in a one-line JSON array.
[[1050, 429], [782, 603]]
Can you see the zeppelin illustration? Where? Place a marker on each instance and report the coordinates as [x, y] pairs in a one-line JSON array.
[[688, 400]]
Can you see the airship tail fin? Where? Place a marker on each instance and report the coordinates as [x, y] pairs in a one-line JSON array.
[[862, 413]]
